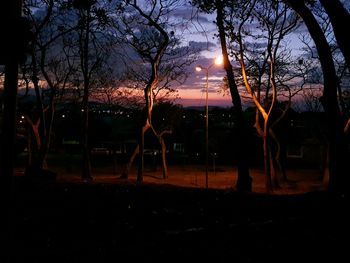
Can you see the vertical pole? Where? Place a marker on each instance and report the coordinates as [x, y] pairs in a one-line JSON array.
[[206, 130]]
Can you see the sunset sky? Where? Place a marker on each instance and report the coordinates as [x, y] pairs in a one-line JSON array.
[[199, 29], [192, 92]]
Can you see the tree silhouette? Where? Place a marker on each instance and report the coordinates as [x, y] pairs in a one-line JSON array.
[[147, 31], [336, 140]]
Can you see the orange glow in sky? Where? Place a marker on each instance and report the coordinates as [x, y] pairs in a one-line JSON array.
[[196, 97]]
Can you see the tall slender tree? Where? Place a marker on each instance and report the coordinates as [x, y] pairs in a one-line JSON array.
[[92, 36]]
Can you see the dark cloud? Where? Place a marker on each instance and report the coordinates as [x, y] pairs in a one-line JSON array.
[[190, 13], [201, 45]]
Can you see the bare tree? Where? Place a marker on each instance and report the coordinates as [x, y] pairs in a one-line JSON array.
[[244, 181], [255, 30], [147, 31], [42, 67], [264, 59], [93, 46]]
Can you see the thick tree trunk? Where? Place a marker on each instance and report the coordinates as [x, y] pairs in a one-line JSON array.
[[244, 180], [145, 125], [338, 179]]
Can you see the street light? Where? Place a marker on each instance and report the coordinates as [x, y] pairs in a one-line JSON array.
[[218, 61]]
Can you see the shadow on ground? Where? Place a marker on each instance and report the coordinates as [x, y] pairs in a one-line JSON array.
[[68, 222]]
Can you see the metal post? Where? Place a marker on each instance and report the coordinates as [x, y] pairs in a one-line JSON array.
[[218, 61]]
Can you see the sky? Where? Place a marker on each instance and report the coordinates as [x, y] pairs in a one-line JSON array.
[[193, 91], [202, 31]]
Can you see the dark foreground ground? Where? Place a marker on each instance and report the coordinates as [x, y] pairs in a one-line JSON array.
[[69, 222]]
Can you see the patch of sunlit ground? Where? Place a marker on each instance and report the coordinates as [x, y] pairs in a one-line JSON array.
[[299, 180]]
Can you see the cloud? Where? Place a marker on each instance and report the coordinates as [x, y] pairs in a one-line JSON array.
[[202, 45], [189, 13]]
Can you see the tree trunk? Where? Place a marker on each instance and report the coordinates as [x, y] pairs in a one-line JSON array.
[[339, 17], [267, 157], [125, 173], [38, 125], [338, 181], [49, 123], [163, 152], [141, 163], [146, 120], [164, 164], [244, 180], [278, 156]]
